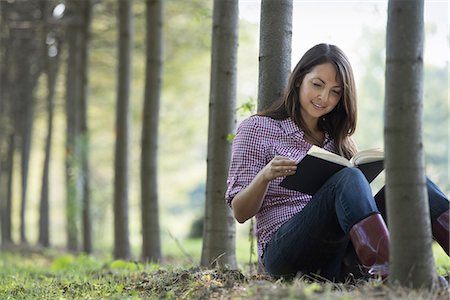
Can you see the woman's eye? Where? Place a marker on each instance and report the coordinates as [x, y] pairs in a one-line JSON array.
[[337, 92], [316, 84]]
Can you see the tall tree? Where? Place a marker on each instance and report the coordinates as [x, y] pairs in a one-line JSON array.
[[77, 15], [219, 226], [85, 34], [52, 59], [151, 249], [275, 44], [411, 257], [121, 162], [6, 132], [6, 176]]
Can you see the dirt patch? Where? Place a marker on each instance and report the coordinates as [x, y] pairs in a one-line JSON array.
[[193, 283]]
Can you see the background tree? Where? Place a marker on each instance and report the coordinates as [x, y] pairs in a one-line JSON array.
[[51, 57], [411, 257], [219, 225], [77, 19], [151, 244], [274, 50], [22, 30], [6, 127], [121, 161], [84, 130]]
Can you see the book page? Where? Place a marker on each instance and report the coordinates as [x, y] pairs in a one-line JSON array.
[[329, 156], [367, 156]]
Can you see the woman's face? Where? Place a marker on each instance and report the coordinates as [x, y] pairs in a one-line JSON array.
[[319, 92]]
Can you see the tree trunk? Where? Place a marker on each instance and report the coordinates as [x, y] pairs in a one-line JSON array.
[[6, 133], [121, 234], [151, 248], [75, 97], [6, 180], [219, 225], [52, 62], [44, 227], [274, 50], [275, 44], [84, 131], [411, 257]]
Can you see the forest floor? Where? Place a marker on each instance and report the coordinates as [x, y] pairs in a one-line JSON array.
[[35, 274]]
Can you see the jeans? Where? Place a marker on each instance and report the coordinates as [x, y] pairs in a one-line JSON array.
[[316, 240]]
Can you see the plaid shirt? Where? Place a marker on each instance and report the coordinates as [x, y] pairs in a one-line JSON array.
[[258, 140]]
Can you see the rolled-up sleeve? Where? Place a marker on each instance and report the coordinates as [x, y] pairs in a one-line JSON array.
[[247, 157]]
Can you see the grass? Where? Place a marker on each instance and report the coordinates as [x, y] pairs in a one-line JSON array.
[[45, 274]]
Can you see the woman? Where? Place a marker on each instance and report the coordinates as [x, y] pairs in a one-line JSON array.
[[297, 232]]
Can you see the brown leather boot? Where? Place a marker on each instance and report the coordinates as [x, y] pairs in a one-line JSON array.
[[370, 239], [440, 228]]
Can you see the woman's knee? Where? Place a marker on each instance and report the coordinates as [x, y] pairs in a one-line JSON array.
[[352, 177]]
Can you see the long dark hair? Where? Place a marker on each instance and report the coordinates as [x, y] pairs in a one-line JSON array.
[[340, 123]]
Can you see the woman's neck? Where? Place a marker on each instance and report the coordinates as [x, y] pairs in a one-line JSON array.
[[315, 136]]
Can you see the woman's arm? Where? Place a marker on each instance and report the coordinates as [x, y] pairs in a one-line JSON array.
[[248, 201]]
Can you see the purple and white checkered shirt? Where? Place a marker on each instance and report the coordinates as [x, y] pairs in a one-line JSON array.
[[258, 140]]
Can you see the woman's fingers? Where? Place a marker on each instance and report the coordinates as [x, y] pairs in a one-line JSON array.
[[281, 166]]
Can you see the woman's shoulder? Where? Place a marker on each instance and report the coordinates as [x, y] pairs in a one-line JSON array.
[[260, 122]]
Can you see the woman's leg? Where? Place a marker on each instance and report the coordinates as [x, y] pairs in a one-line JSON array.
[[439, 212], [315, 240]]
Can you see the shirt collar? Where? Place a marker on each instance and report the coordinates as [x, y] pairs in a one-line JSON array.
[[291, 128]]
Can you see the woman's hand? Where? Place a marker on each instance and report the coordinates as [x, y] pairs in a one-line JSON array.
[[279, 166], [248, 201]]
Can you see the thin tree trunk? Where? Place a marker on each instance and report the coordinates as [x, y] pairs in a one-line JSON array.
[[44, 230], [219, 226], [26, 125], [121, 233], [6, 181], [411, 257], [151, 244], [84, 131], [44, 215], [73, 96], [6, 134], [274, 50]]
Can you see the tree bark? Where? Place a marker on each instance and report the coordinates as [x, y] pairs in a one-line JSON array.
[[76, 102], [52, 67], [121, 164], [6, 125], [6, 180], [274, 50], [219, 225], [84, 130], [151, 248], [411, 257]]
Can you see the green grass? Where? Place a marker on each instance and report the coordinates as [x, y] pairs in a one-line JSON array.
[[31, 274]]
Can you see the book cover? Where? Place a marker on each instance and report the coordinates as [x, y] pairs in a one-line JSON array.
[[312, 172]]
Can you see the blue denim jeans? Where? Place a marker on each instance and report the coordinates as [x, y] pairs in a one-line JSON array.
[[316, 240]]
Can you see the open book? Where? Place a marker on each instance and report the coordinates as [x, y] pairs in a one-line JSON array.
[[319, 164]]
